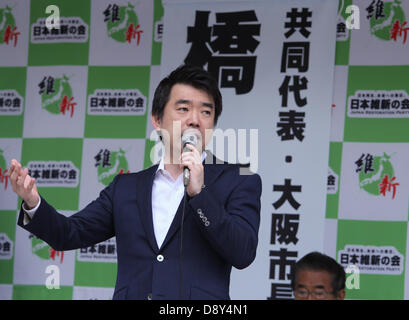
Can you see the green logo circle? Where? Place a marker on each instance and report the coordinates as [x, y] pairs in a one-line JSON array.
[[117, 29], [371, 180], [40, 248], [51, 102], [381, 27], [118, 163], [3, 162], [6, 19]]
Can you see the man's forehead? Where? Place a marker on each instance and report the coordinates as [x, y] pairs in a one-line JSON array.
[[187, 92], [313, 278]]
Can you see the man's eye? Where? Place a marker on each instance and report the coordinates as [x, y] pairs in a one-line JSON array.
[[319, 293], [302, 292], [182, 109]]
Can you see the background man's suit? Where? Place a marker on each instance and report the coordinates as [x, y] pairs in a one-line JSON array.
[[220, 231]]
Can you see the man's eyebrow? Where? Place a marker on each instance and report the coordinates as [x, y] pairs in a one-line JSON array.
[[315, 287], [186, 101], [208, 104], [319, 287], [183, 101]]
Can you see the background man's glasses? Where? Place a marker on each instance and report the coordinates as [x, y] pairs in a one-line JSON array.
[[316, 294]]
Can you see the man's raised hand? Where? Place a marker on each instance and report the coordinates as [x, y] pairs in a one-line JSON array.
[[23, 184]]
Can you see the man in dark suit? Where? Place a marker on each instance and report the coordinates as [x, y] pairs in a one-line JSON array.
[[172, 242]]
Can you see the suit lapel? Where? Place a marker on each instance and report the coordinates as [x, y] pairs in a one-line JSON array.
[[211, 172], [145, 203]]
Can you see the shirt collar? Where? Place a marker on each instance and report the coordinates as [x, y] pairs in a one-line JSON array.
[[161, 166]]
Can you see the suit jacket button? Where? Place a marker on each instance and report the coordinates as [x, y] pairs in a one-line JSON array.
[[199, 211], [160, 258], [207, 223], [150, 296]]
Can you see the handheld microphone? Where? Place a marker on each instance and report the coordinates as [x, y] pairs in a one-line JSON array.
[[187, 138]]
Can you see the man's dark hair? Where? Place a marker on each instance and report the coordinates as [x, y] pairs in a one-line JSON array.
[[190, 75], [317, 261]]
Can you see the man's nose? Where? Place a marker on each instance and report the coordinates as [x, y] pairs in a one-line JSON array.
[[193, 120]]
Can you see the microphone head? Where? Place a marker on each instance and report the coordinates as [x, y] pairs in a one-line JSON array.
[[189, 138]]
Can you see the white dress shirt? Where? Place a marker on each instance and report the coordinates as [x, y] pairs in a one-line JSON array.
[[166, 196]]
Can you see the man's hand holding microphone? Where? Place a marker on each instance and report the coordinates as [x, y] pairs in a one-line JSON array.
[[191, 161]]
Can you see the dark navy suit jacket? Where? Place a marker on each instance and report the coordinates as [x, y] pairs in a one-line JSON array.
[[220, 231]]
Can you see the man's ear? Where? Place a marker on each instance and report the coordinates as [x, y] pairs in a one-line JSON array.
[[341, 294], [155, 122], [157, 125]]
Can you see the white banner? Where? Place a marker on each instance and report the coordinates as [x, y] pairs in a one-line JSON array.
[[274, 61]]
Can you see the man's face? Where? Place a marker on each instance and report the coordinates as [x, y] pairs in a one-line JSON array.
[[314, 284], [187, 109]]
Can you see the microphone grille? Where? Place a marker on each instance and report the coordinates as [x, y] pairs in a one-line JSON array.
[[189, 138]]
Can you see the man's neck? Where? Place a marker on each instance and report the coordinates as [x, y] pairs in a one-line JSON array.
[[174, 169], [172, 166]]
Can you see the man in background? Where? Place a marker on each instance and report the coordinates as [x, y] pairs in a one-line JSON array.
[[317, 276]]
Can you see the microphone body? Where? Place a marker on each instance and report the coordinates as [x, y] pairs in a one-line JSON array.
[[187, 138]]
